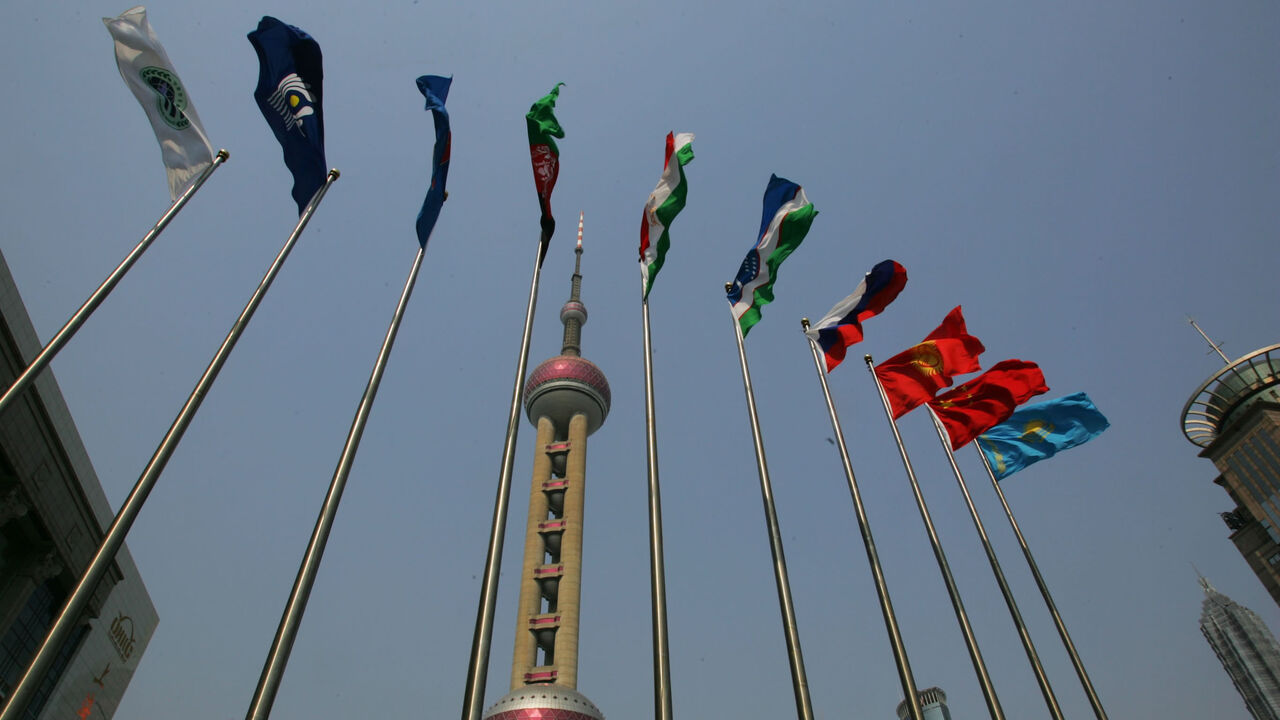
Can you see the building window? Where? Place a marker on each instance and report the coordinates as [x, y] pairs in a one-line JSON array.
[[23, 638]]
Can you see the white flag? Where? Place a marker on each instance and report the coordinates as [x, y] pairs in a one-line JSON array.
[[146, 69]]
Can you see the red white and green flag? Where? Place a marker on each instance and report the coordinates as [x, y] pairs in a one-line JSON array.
[[666, 201], [543, 129]]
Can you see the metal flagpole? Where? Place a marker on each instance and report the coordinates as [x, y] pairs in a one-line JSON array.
[[908, 681], [971, 642], [1044, 591], [657, 572], [478, 666], [799, 681], [45, 356], [1041, 678], [76, 603], [282, 645]]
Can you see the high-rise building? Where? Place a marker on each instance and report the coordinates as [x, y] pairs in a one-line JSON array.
[[1247, 649], [567, 399], [1235, 418], [52, 512], [932, 701]]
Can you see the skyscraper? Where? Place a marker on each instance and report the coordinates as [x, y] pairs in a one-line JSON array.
[[52, 512], [1235, 417], [1247, 649], [567, 399], [932, 701]]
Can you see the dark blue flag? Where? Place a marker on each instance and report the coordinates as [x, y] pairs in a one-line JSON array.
[[290, 87], [436, 90]]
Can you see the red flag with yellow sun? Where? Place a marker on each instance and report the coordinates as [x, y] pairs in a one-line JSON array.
[[913, 376]]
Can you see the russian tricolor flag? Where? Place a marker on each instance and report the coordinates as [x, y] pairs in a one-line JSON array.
[[842, 326]]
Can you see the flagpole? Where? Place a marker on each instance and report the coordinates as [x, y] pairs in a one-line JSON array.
[[799, 680], [662, 709], [911, 695], [478, 665], [1044, 591], [45, 356], [1042, 679], [971, 642], [282, 645], [102, 560]]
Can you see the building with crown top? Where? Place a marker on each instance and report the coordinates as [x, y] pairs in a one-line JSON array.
[[933, 703], [567, 398], [1234, 417], [1247, 649]]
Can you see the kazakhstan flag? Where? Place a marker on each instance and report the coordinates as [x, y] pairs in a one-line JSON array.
[[1039, 431]]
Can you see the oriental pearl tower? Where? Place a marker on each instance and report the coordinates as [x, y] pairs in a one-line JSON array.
[[567, 399]]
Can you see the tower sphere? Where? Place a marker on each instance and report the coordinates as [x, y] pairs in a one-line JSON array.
[[564, 386], [544, 701]]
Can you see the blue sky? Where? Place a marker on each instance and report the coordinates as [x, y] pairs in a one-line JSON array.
[[1080, 177]]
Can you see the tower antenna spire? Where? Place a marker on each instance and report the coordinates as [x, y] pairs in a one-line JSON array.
[[1217, 347]]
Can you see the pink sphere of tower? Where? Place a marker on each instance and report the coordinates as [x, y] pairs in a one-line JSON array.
[[564, 386]]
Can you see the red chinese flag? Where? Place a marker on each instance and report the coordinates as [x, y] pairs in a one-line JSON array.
[[987, 400], [913, 376]]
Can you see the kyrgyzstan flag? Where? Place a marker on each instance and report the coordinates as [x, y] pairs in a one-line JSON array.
[[987, 400], [913, 376]]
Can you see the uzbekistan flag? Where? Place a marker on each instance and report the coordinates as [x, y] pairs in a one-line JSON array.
[[842, 326], [666, 201], [783, 224]]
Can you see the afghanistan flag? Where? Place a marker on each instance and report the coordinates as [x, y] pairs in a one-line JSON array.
[[1040, 431], [666, 201], [290, 88], [436, 90], [913, 376], [543, 129], [146, 69], [987, 400], [783, 224], [842, 326]]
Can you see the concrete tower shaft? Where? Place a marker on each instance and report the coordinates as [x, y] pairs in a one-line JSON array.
[[567, 398]]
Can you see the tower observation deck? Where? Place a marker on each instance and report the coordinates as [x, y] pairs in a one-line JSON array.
[[1234, 417], [567, 398]]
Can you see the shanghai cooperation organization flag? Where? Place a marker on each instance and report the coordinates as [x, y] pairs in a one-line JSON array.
[[1040, 431], [289, 92], [146, 69]]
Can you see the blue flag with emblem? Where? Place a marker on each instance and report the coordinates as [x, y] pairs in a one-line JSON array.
[[1036, 432], [436, 90], [290, 88]]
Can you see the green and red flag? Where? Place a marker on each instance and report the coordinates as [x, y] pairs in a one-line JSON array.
[[980, 404], [543, 129], [913, 376], [666, 201]]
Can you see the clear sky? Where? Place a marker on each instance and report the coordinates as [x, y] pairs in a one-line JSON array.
[[1079, 176]]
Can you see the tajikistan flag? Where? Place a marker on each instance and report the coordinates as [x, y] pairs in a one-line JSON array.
[[666, 201], [783, 225]]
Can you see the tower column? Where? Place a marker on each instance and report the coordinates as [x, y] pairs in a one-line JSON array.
[[571, 553], [525, 655]]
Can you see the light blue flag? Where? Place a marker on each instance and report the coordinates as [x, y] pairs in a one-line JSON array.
[[1039, 431]]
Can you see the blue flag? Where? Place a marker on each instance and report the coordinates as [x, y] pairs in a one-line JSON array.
[[290, 87], [1039, 431], [436, 90]]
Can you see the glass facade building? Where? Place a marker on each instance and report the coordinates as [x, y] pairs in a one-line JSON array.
[[1234, 417], [52, 513], [1247, 649], [932, 701]]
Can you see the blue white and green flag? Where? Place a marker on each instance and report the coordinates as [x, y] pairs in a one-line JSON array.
[[784, 223]]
